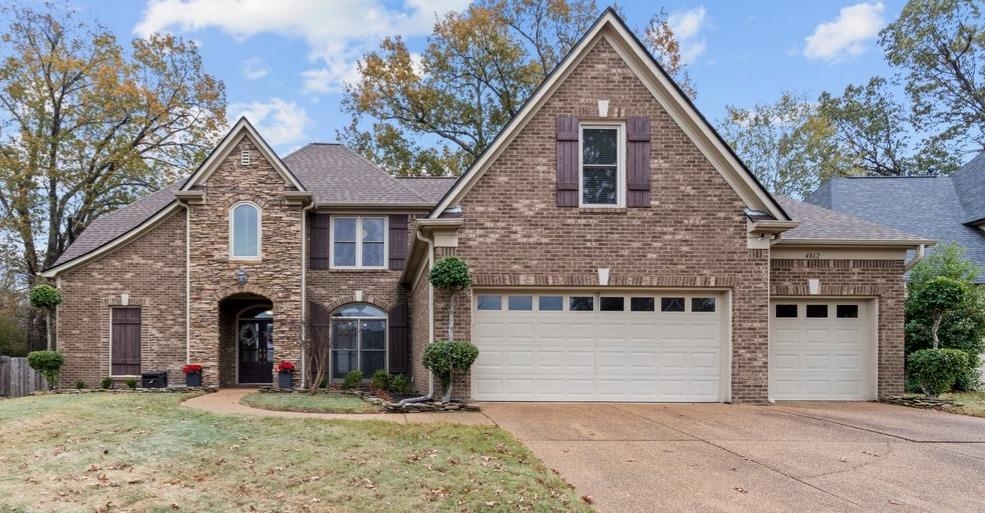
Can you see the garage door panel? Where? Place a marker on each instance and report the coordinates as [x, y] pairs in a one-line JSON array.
[[819, 358], [598, 356]]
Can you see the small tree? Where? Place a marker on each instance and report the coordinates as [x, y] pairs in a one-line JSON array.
[[451, 274], [939, 297], [48, 363], [445, 358], [317, 347], [46, 297]]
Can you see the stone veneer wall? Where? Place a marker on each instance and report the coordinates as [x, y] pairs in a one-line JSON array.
[[151, 270], [881, 279], [277, 276], [694, 234]]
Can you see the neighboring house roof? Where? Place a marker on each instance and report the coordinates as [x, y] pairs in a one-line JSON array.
[[431, 188], [117, 223], [934, 207], [336, 175], [613, 29], [820, 225]]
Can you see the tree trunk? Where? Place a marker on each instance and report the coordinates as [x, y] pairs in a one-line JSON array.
[[451, 313], [446, 393], [934, 329], [47, 327]]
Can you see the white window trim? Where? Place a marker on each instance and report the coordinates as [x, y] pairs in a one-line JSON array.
[[620, 164], [359, 339], [120, 376], [359, 242], [232, 233]]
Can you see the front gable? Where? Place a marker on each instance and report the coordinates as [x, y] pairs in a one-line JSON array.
[[609, 45]]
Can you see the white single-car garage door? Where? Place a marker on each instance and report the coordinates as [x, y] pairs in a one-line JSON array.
[[821, 350], [592, 346]]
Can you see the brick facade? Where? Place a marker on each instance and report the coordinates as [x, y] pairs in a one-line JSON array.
[[879, 279]]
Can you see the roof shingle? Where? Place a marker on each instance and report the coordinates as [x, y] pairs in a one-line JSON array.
[[823, 224]]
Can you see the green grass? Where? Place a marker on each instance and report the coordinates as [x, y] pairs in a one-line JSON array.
[[969, 403], [318, 403], [146, 453]]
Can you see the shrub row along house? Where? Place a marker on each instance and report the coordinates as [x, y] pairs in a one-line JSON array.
[[619, 251]]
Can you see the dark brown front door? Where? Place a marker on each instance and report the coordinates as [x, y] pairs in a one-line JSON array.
[[256, 350]]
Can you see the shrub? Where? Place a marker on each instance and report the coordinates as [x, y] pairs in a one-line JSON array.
[[132, 383], [450, 273], [400, 385], [936, 370], [323, 383], [48, 363], [352, 380], [13, 337], [80, 385], [45, 296], [106, 383], [446, 357], [381, 380]]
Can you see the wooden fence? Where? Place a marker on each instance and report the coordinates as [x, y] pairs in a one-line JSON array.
[[17, 379]]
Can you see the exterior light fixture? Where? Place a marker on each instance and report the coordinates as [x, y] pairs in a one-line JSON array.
[[241, 276]]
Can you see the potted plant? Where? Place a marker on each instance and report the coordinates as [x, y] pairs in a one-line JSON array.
[[193, 375], [285, 371]]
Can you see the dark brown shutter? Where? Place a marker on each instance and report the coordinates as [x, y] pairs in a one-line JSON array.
[[126, 342], [321, 246], [638, 162], [398, 241], [399, 326], [567, 161]]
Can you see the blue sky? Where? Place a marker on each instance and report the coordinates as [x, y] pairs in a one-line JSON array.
[[283, 61]]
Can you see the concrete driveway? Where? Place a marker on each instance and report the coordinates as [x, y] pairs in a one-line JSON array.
[[796, 457]]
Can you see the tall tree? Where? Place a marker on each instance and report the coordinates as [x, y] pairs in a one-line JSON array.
[[939, 46], [786, 144], [434, 113], [660, 40], [86, 126]]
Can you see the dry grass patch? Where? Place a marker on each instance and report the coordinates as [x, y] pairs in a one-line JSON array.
[[146, 453], [969, 403], [318, 403]]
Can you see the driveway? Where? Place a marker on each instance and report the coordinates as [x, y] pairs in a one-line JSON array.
[[797, 457]]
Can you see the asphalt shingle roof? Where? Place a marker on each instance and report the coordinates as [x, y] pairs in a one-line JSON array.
[[824, 224], [431, 188]]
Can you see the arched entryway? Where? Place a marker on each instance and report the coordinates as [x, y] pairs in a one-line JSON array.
[[247, 344]]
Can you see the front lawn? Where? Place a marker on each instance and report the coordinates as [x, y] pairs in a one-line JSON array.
[[146, 453], [969, 403], [319, 403]]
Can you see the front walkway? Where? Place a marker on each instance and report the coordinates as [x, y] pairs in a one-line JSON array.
[[226, 402]]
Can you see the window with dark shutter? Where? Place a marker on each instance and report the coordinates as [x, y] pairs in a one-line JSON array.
[[398, 241], [399, 339], [125, 340], [638, 162], [567, 161], [321, 246]]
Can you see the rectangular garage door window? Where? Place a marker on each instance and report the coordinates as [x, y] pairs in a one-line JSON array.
[[641, 304], [485, 302], [847, 311], [551, 303], [581, 303], [786, 311], [817, 311], [612, 304], [702, 304], [671, 304], [520, 303]]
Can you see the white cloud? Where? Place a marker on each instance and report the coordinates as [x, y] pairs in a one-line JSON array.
[[687, 26], [847, 34], [281, 122], [254, 68], [336, 32]]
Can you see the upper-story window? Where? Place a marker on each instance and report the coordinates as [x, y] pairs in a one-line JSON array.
[[359, 242], [603, 168], [244, 231]]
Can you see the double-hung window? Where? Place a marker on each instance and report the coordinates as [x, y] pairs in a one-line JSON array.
[[603, 168], [359, 242]]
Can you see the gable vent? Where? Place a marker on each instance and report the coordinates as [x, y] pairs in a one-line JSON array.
[[244, 157]]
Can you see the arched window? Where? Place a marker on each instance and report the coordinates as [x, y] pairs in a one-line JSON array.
[[244, 231], [359, 340]]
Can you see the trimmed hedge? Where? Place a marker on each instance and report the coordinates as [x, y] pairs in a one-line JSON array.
[[937, 370]]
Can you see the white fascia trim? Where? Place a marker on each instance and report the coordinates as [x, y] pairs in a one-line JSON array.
[[159, 217], [222, 151], [872, 243], [665, 93]]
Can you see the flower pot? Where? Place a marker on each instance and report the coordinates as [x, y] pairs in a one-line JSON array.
[[193, 379], [284, 380]]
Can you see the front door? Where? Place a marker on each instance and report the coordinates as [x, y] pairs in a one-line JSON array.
[[256, 349]]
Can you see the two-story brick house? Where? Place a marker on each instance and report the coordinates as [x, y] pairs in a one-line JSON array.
[[620, 251]]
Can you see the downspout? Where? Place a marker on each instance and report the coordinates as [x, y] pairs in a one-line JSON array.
[[430, 244], [304, 288], [188, 282], [918, 258]]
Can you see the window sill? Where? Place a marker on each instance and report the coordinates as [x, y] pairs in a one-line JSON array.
[[603, 210], [357, 269]]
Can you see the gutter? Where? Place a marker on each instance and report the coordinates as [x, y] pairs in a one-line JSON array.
[[430, 257], [872, 243]]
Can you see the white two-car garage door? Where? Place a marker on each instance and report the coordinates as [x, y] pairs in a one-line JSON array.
[[821, 350], [591, 346]]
